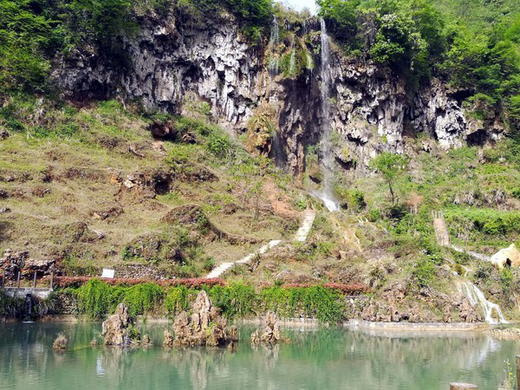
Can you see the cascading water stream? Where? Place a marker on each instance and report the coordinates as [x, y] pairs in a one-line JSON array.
[[274, 40], [476, 297], [277, 151], [326, 194], [292, 61]]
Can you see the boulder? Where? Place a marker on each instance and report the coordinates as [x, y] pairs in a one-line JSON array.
[[255, 337], [271, 333], [13, 262], [467, 313], [204, 327], [168, 339], [146, 341], [504, 334], [41, 266], [60, 343], [116, 329], [4, 134], [160, 129], [509, 257]]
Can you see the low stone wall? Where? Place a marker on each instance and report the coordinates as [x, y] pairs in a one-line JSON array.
[[422, 327], [22, 292], [283, 322]]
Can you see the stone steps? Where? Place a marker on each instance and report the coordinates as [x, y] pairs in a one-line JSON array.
[[301, 236], [305, 228], [215, 273]]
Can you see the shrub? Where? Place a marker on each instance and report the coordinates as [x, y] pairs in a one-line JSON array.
[[484, 271], [9, 307], [506, 279], [424, 272], [179, 157], [235, 299], [516, 192], [95, 298], [219, 145], [143, 298], [314, 301], [209, 263], [354, 198], [374, 215], [177, 300]]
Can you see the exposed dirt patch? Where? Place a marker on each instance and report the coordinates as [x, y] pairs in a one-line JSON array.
[[280, 203]]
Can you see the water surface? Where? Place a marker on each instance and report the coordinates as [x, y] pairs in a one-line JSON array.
[[315, 359]]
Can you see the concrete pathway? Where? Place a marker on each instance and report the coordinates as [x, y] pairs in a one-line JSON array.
[[301, 236], [305, 228], [443, 237], [217, 272]]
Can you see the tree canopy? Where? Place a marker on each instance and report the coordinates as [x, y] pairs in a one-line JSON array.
[[474, 44], [391, 166]]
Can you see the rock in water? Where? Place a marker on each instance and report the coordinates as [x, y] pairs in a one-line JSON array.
[[168, 339], [271, 333], [255, 337], [205, 326], [116, 329], [60, 343], [146, 341]]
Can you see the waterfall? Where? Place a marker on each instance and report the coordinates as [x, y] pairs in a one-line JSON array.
[[326, 194], [28, 312], [476, 297], [292, 61], [309, 60], [274, 40]]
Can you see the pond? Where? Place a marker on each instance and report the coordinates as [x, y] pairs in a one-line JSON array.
[[314, 359]]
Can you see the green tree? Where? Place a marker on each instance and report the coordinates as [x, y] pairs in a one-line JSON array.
[[341, 14], [391, 167]]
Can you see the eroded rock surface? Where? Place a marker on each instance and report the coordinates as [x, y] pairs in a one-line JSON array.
[[174, 62], [270, 334], [13, 262], [116, 329], [60, 343], [204, 327]]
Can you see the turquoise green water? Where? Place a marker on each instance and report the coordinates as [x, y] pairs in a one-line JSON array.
[[319, 359]]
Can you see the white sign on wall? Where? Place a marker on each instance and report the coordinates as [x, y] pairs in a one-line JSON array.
[[108, 273]]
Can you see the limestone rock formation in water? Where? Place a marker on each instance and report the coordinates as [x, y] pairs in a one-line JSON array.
[[60, 343], [271, 333], [272, 329], [205, 326], [146, 341], [168, 339], [116, 329]]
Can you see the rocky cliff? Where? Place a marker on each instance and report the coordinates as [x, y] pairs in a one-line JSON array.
[[173, 61]]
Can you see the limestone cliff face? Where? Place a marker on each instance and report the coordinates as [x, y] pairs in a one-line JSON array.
[[172, 60]]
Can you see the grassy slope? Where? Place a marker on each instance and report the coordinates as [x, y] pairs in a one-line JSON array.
[[61, 165], [57, 178]]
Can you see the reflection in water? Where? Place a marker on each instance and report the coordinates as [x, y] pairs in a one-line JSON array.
[[99, 367], [322, 359]]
